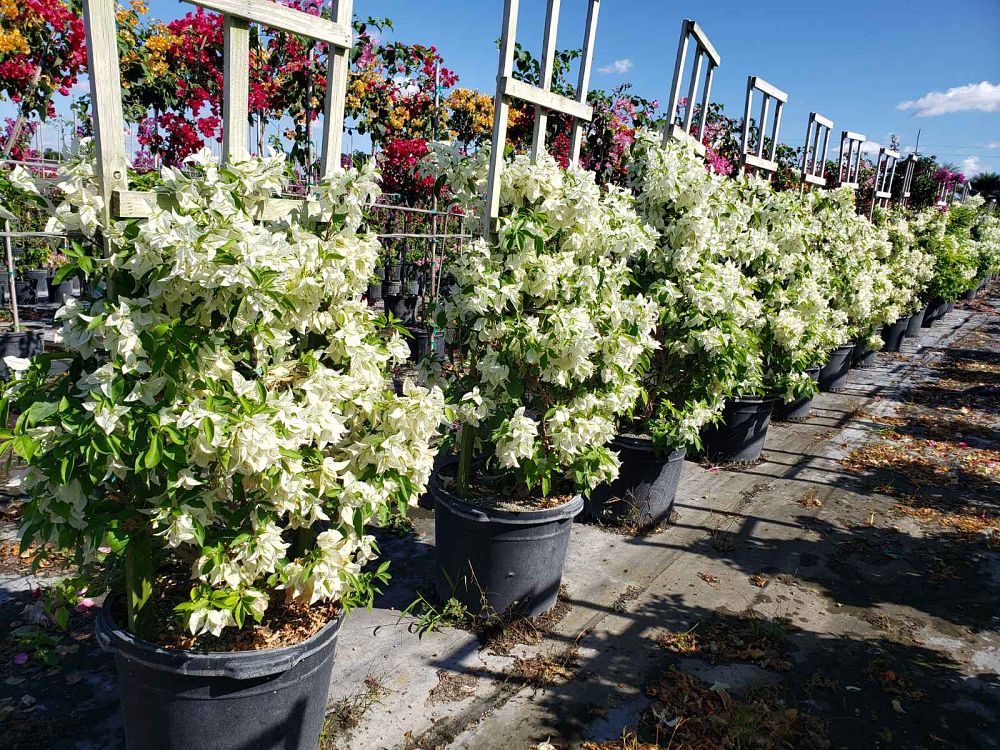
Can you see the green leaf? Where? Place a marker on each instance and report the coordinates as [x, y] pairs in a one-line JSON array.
[[64, 272], [155, 452], [62, 617]]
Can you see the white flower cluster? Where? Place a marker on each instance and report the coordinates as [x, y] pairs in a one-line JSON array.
[[709, 318], [555, 342], [229, 389]]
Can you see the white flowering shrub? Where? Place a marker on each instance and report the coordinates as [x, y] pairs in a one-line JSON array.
[[947, 236], [709, 318], [554, 344], [226, 402], [987, 234], [909, 265], [860, 280], [791, 277]]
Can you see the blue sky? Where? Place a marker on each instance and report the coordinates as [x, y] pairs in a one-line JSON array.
[[853, 61]]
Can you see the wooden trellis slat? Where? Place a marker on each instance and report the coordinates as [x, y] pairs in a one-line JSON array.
[[544, 100], [106, 95], [703, 50], [849, 164], [885, 171], [817, 132], [910, 163], [755, 157]]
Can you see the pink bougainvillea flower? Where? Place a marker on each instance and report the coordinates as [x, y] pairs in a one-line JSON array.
[[84, 604], [104, 550], [21, 658], [963, 445]]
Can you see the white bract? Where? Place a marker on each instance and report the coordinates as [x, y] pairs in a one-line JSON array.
[[554, 342], [228, 393]]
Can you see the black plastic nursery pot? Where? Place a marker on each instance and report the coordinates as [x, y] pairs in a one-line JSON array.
[[424, 341], [969, 295], [797, 410], [739, 437], [644, 492], [893, 334], [25, 291], [374, 292], [914, 322], [272, 699], [935, 310], [833, 375], [402, 306], [500, 561], [23, 344], [950, 307], [862, 356]]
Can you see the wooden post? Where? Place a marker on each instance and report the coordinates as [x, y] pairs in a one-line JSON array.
[[338, 65], [501, 110], [235, 88], [545, 76], [11, 286]]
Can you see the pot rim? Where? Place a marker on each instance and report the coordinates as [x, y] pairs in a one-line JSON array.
[[238, 665], [645, 444], [476, 513]]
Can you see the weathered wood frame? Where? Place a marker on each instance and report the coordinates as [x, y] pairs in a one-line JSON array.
[[849, 163], [885, 173], [106, 95], [818, 129], [755, 157], [703, 51], [910, 165], [545, 101]]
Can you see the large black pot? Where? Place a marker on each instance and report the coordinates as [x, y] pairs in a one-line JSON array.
[[833, 375], [739, 437], [936, 309], [402, 306], [969, 295], [644, 492], [862, 356], [949, 307], [24, 344], [915, 321], [797, 410], [893, 335], [500, 561], [267, 700]]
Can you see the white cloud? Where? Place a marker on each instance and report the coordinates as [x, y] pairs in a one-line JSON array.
[[983, 96], [993, 144], [870, 147], [618, 66], [971, 167]]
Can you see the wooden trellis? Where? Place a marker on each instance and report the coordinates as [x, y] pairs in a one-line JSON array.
[[106, 94], [703, 51], [754, 157], [885, 172], [909, 166], [849, 164], [544, 100], [814, 155], [966, 192]]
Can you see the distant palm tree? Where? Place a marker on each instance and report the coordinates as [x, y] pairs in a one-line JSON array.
[[986, 184]]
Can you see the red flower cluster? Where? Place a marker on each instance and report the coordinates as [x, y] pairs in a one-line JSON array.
[[397, 161], [42, 38]]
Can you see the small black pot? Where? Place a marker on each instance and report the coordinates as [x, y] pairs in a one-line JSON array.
[[644, 492], [394, 273], [862, 356], [914, 322], [403, 307], [25, 291], [40, 278], [412, 287], [499, 561], [392, 288], [833, 375], [425, 341], [267, 700], [797, 410], [950, 307], [24, 344], [893, 335], [374, 292], [969, 295], [739, 437]]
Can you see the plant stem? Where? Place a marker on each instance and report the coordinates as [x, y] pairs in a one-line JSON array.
[[139, 583], [466, 447]]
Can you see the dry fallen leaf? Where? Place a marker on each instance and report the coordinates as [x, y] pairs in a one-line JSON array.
[[758, 580], [709, 578]]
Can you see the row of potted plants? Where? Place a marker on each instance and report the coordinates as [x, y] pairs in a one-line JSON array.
[[224, 424]]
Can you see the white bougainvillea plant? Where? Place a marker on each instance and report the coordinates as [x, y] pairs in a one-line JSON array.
[[224, 406], [791, 277], [909, 265], [553, 343], [709, 318]]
